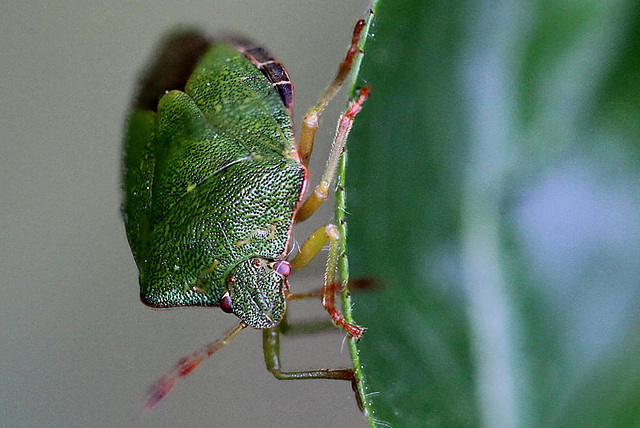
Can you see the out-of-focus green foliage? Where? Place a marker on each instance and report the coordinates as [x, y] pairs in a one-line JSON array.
[[493, 189]]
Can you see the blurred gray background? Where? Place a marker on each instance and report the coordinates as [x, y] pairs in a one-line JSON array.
[[78, 347]]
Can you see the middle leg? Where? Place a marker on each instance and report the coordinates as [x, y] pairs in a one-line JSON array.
[[309, 249]]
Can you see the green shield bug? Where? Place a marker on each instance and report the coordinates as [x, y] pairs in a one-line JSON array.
[[214, 181]]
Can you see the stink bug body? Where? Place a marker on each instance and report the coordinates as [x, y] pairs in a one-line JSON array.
[[214, 181]]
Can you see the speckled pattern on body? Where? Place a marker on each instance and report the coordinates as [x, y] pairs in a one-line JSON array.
[[212, 180]]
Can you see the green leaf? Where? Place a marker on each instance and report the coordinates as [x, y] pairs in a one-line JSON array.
[[492, 191]]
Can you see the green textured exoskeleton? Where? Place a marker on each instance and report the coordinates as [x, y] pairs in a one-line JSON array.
[[213, 183], [213, 179]]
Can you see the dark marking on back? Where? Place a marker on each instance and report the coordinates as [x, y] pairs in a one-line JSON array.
[[272, 69]]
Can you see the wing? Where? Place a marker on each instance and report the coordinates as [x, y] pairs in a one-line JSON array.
[[173, 65], [228, 112]]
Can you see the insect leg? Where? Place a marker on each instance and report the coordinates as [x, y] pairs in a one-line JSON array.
[[321, 191], [271, 347], [310, 121], [186, 365], [308, 250], [312, 246]]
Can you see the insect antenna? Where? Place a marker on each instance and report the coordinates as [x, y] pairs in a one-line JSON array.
[[186, 365]]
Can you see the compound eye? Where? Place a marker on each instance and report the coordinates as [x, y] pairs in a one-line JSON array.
[[225, 303], [282, 267]]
